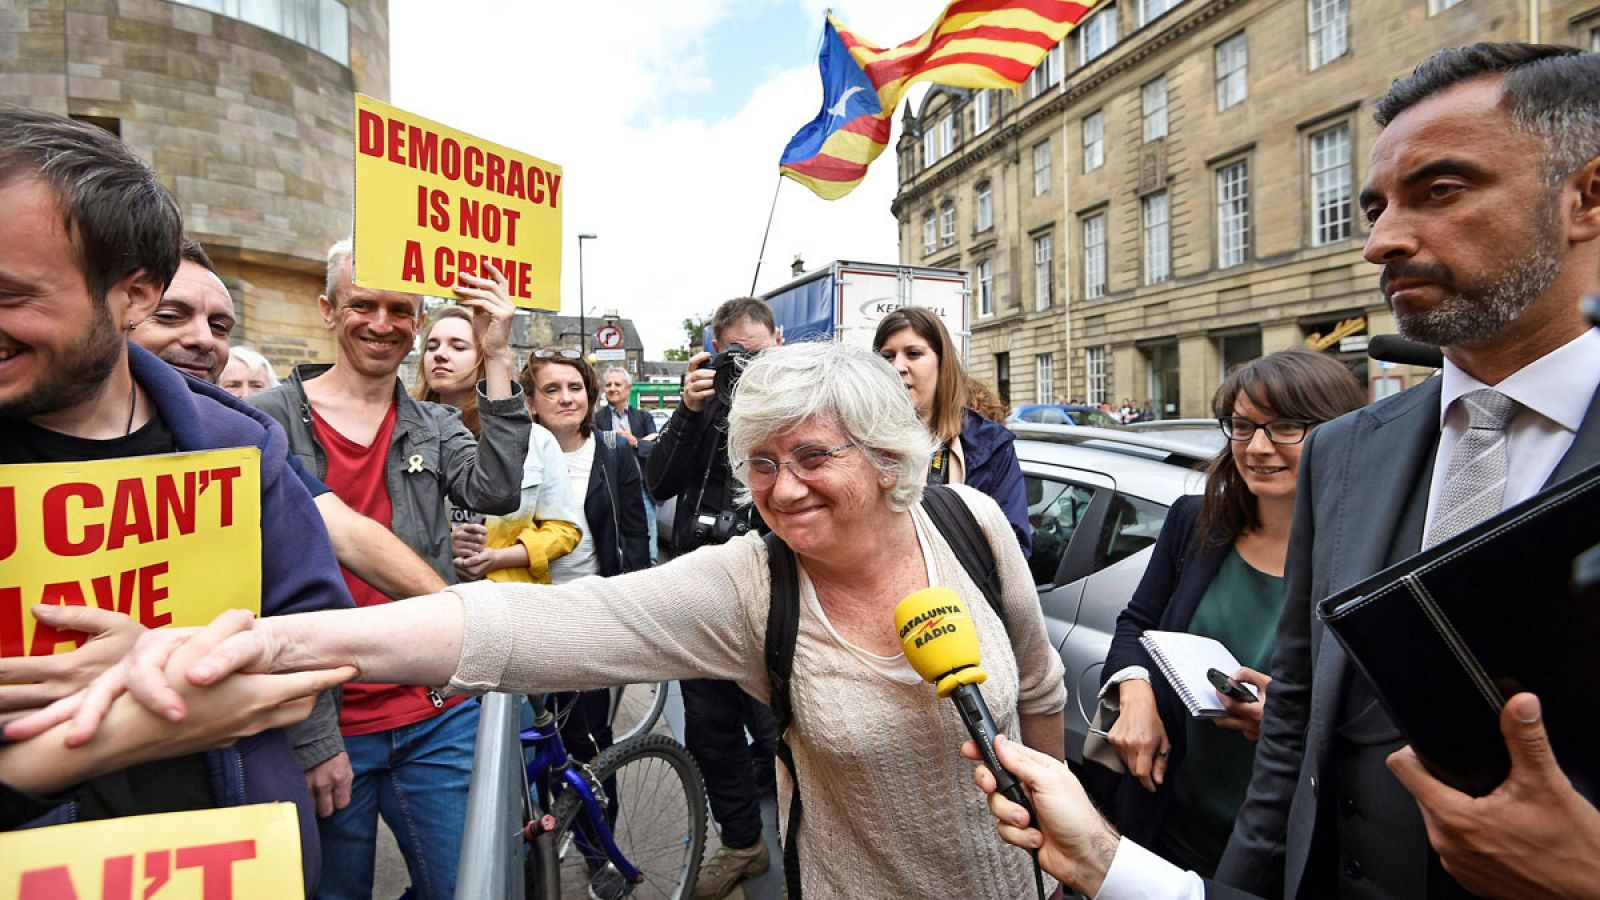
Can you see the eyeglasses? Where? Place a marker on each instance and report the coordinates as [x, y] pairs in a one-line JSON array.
[[1279, 431], [555, 353], [761, 473]]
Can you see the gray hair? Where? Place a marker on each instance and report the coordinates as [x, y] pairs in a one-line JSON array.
[[620, 371], [842, 384], [253, 362], [342, 253]]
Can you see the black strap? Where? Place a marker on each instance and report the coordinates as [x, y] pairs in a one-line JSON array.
[[960, 529], [783, 629]]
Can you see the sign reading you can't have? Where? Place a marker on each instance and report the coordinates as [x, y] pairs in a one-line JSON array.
[[432, 202]]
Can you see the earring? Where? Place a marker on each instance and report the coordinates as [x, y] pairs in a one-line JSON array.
[[886, 481], [132, 325]]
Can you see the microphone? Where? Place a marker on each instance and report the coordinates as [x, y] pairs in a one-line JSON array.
[[1393, 348], [941, 643]]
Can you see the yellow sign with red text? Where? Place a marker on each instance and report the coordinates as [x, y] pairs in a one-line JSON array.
[[237, 853], [173, 539], [432, 202]]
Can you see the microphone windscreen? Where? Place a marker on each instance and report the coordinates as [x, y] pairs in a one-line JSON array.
[[1392, 348], [936, 633]]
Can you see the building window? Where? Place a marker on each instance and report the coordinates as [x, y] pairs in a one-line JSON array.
[[1594, 39], [1044, 370], [1233, 67], [947, 223], [1154, 105], [1097, 35], [1094, 257], [1094, 140], [322, 25], [1094, 374], [1041, 168], [1043, 272], [1233, 214], [930, 148], [986, 288], [985, 206], [930, 241], [1157, 239], [1150, 10], [1047, 74], [947, 135], [1330, 185], [1002, 376], [982, 112], [1438, 6], [1165, 383], [1238, 349], [1327, 30]]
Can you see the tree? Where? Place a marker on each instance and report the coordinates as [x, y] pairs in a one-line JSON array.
[[694, 329]]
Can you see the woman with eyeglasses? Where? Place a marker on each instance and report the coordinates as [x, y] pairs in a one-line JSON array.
[[830, 450], [1217, 570]]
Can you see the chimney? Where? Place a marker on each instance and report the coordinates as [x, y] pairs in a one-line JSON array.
[[798, 267]]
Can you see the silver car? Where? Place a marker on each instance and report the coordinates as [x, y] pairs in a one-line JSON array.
[[1097, 499]]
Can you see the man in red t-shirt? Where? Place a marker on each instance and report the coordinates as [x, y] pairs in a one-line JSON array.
[[397, 461]]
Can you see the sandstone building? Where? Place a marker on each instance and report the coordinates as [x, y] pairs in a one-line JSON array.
[[244, 107], [1173, 191]]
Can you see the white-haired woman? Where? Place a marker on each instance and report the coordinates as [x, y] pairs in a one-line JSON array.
[[246, 373], [829, 448]]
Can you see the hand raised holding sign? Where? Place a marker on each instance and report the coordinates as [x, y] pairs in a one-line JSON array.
[[492, 311]]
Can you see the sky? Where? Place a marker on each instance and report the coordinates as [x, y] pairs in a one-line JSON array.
[[667, 119]]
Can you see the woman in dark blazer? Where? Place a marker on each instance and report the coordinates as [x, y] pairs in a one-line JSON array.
[[1217, 570]]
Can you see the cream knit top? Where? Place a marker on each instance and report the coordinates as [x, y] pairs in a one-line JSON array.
[[890, 806]]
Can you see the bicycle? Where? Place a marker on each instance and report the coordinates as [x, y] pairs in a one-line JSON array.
[[635, 709], [630, 824]]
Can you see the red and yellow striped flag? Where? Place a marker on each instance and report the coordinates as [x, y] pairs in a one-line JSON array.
[[973, 44]]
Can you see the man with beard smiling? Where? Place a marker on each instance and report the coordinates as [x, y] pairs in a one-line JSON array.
[[395, 460], [89, 241], [190, 328], [1483, 198]]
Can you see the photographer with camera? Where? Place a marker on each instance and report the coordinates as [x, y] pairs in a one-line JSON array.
[[690, 462]]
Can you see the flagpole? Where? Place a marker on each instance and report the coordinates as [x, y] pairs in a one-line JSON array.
[[765, 234]]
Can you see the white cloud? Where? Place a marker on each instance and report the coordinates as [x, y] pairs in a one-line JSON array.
[[678, 203]]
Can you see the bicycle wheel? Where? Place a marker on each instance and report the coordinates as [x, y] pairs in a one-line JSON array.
[[659, 824], [635, 709]]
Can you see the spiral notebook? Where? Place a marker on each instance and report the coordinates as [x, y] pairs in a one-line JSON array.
[[1184, 659]]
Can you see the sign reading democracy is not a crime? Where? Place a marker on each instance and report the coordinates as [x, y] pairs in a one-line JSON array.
[[173, 539], [433, 203]]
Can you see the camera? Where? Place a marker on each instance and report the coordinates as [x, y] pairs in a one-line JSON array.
[[728, 365], [720, 528]]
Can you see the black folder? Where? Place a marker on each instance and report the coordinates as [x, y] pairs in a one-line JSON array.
[[1446, 636]]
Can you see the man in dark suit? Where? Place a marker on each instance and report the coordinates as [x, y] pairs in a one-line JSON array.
[[1483, 197], [632, 426]]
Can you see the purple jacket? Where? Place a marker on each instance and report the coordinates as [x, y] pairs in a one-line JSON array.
[[298, 574]]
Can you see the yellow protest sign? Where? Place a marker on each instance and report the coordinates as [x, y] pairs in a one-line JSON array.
[[432, 202], [236, 853], [170, 540]]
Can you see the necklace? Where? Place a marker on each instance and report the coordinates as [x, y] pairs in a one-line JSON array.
[[133, 404]]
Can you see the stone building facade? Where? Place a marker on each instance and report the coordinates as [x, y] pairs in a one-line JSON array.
[[1173, 192], [245, 110]]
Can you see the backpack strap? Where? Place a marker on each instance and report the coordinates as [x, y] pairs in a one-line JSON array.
[[960, 529], [783, 629]]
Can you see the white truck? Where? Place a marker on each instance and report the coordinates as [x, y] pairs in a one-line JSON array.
[[844, 301]]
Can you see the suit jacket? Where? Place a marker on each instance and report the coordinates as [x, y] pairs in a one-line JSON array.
[[640, 423], [1361, 505], [613, 508]]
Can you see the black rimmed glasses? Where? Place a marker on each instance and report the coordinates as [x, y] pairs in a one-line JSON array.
[[1279, 431], [555, 353], [807, 463]]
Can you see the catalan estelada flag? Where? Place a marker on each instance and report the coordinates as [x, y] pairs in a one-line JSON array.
[[973, 44]]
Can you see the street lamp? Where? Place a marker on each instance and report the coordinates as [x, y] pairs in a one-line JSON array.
[[583, 322]]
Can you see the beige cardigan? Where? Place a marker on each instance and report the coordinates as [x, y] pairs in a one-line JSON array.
[[890, 807]]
